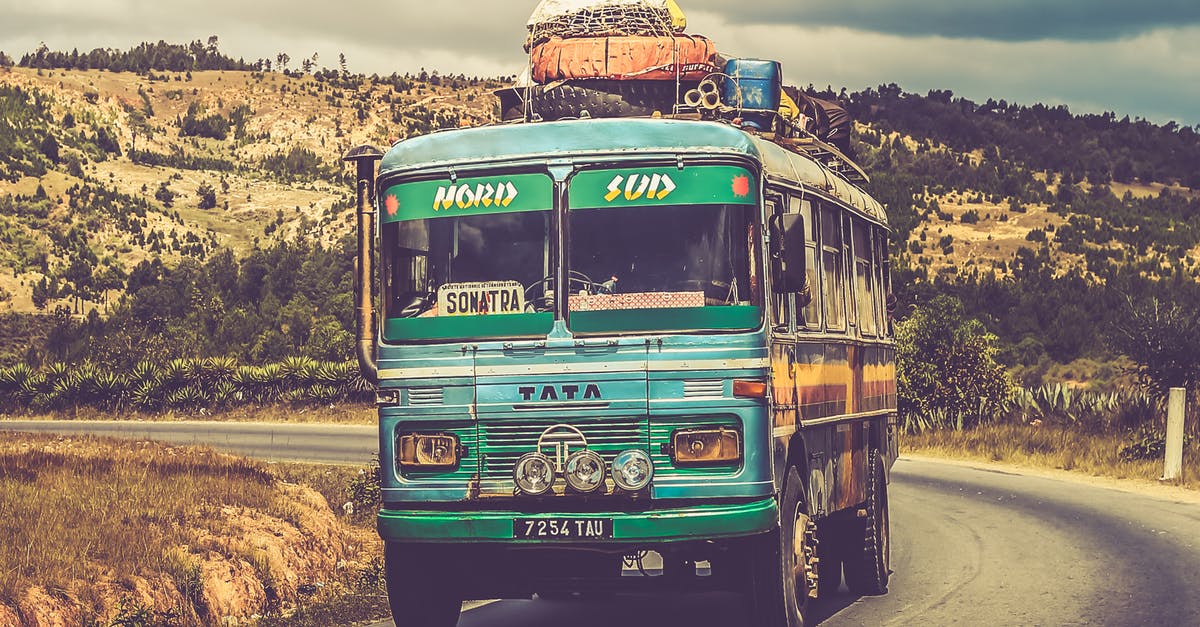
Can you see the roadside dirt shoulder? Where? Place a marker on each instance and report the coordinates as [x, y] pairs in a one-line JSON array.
[[1162, 491]]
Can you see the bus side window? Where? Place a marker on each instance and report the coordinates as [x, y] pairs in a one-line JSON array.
[[878, 244], [848, 256], [833, 274], [864, 279], [885, 284], [809, 317], [780, 303]]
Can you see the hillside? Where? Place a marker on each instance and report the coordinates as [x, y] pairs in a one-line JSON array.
[[118, 168], [203, 212]]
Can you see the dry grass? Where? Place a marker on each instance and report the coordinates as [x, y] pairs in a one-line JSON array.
[[1048, 447], [82, 510], [349, 414], [78, 508]]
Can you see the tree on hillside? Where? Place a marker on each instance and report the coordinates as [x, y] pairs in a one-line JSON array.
[[946, 366], [1163, 339], [79, 275], [43, 291], [208, 196], [164, 195], [282, 59], [49, 148]]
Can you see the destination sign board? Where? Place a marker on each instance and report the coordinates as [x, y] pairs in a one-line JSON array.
[[697, 185], [468, 196], [481, 299]]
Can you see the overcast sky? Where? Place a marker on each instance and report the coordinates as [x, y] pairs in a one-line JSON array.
[[1138, 58]]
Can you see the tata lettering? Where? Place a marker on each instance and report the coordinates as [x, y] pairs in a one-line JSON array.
[[551, 393]]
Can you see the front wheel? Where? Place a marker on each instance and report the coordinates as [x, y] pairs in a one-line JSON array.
[[783, 563], [868, 556], [420, 592]]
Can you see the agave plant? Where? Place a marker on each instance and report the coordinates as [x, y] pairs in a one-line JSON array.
[[226, 393], [176, 372], [186, 397], [220, 367], [18, 384], [144, 371], [146, 395]]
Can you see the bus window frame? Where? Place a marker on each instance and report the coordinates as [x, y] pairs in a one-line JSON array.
[[868, 321], [781, 318], [797, 203], [834, 213]]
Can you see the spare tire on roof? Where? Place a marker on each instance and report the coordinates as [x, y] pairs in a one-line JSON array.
[[624, 58], [599, 98]]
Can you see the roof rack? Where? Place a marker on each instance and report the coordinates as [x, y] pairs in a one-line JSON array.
[[827, 155]]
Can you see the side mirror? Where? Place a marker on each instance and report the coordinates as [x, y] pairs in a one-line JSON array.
[[787, 253]]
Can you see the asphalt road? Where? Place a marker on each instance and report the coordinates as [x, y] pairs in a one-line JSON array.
[[315, 443], [970, 547]]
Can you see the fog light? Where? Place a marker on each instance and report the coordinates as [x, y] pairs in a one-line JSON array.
[[428, 451], [699, 447], [534, 474], [632, 470], [585, 471]]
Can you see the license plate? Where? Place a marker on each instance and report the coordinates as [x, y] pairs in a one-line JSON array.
[[563, 528]]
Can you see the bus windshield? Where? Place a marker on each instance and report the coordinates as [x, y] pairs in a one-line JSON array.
[[663, 268], [459, 264]]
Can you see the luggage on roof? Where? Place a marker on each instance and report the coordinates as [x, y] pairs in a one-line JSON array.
[[624, 58], [604, 18]]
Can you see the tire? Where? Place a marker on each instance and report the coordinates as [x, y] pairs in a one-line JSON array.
[[419, 596], [868, 560], [780, 589], [600, 98]]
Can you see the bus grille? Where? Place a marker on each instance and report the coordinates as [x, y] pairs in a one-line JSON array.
[[503, 441]]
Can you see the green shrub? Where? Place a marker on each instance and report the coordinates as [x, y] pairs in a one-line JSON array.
[[946, 368]]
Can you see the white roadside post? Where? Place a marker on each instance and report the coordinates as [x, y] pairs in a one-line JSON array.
[[1173, 467]]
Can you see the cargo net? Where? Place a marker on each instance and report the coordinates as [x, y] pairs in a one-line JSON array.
[[599, 18]]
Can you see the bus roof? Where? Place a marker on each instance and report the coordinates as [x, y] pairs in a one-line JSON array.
[[618, 136]]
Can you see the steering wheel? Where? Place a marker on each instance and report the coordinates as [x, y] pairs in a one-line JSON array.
[[546, 303], [416, 303]]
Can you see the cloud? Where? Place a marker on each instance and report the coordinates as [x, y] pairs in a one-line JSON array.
[[478, 36], [1152, 75], [1000, 20]]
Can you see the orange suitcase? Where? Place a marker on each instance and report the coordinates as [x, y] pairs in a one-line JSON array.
[[624, 58]]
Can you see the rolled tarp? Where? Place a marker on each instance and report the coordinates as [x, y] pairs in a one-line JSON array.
[[623, 58]]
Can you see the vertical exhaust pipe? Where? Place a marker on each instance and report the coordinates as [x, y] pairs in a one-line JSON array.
[[364, 157]]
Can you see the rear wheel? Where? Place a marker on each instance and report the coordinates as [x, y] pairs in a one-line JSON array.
[[782, 563], [868, 556], [419, 587]]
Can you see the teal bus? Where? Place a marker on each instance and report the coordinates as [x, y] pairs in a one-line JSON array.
[[633, 354]]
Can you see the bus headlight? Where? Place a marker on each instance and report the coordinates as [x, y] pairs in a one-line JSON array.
[[708, 446], [632, 470], [585, 471], [534, 474], [420, 451]]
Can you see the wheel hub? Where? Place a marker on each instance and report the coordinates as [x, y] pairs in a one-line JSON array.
[[804, 556]]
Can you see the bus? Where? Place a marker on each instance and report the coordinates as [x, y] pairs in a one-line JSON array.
[[634, 354]]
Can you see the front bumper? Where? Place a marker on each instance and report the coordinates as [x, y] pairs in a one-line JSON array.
[[700, 522]]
